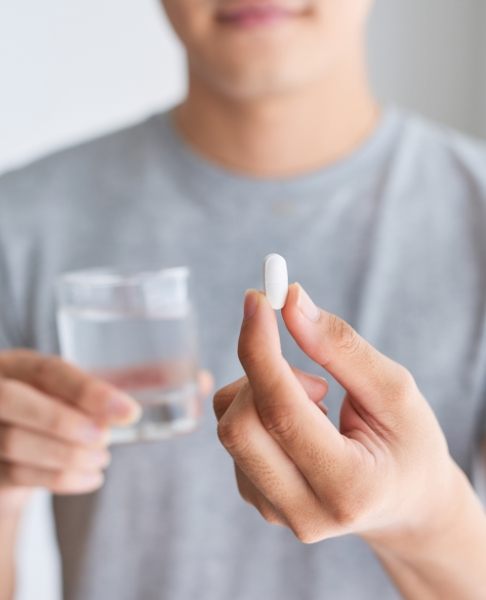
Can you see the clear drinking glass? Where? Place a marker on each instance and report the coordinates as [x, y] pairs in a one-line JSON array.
[[137, 330]]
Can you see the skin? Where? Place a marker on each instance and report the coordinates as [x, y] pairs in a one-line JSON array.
[[277, 102], [54, 431], [280, 100], [385, 474], [268, 101]]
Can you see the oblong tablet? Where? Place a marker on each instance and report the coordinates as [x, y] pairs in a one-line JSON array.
[[275, 280]]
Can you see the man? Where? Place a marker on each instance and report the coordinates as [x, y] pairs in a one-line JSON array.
[[279, 147]]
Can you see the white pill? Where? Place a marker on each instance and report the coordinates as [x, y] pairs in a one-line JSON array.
[[275, 280]]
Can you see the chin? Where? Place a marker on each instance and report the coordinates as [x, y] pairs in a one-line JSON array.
[[264, 62], [264, 77], [252, 87]]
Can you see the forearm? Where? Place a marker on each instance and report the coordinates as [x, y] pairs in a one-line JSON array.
[[448, 564]]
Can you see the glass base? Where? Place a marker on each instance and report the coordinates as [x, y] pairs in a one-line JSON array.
[[151, 432]]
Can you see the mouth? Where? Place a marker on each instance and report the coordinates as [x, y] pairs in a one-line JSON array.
[[247, 15]]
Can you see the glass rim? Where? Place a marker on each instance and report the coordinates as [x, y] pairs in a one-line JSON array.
[[109, 276]]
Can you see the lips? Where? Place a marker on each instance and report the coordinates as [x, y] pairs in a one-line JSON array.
[[250, 15]]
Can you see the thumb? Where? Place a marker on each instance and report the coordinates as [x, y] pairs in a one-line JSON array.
[[373, 379]]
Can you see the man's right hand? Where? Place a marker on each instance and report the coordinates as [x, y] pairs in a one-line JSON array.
[[54, 423]]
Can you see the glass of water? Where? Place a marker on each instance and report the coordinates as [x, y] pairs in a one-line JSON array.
[[137, 330]]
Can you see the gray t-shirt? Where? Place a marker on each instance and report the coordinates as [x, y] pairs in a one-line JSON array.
[[392, 239]]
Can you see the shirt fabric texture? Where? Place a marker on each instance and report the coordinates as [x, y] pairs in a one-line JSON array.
[[391, 238]]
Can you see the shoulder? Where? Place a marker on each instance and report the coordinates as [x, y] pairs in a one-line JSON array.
[[82, 169], [432, 156]]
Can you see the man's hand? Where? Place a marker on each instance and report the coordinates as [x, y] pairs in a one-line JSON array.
[[54, 425], [386, 474], [54, 428], [54, 422], [386, 470]]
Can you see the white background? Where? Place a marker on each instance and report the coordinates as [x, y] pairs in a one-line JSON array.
[[70, 70]]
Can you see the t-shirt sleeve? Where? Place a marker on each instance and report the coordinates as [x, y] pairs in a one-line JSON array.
[[479, 463], [10, 336]]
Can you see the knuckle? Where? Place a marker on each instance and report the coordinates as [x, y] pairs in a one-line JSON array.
[[278, 422], [269, 514], [345, 515], [230, 390], [219, 396], [248, 355], [343, 335], [243, 491], [345, 512], [246, 497], [409, 385], [220, 402], [404, 386], [232, 435], [305, 533], [274, 519]]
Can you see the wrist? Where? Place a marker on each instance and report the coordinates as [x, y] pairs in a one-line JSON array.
[[445, 557], [449, 515], [13, 503]]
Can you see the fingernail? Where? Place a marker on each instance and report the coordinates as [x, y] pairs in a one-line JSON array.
[[306, 306], [123, 406], [250, 305]]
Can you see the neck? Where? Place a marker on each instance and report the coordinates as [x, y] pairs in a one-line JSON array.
[[281, 135]]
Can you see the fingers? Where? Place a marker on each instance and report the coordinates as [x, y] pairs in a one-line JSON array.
[[373, 379], [315, 387], [45, 442], [23, 406], [259, 348], [298, 425], [28, 448], [264, 463], [250, 494], [58, 378], [59, 482], [225, 396]]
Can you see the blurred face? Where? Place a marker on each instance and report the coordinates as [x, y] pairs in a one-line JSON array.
[[251, 48]]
